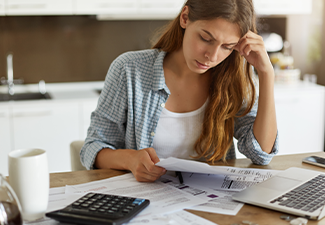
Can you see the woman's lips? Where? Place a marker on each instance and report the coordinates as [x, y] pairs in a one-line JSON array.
[[202, 66]]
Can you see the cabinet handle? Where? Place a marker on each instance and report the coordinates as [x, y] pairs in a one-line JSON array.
[[30, 114]]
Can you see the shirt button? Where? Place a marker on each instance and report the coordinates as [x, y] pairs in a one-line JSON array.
[[152, 134], [162, 105]]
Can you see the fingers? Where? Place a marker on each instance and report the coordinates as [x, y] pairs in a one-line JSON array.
[[153, 155], [250, 42], [150, 164], [143, 175], [145, 169]]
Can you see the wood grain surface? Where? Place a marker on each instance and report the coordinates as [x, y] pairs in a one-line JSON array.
[[251, 213]]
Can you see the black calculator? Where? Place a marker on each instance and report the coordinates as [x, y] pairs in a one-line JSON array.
[[94, 208]]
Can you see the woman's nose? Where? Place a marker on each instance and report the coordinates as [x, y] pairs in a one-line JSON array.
[[212, 55]]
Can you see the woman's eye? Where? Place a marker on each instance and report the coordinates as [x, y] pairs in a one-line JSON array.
[[205, 40], [225, 47]]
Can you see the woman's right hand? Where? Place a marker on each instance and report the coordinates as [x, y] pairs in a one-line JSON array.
[[143, 166]]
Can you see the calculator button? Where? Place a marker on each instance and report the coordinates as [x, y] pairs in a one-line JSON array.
[[111, 207], [126, 211], [100, 196], [90, 195]]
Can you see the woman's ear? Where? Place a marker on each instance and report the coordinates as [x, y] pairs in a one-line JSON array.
[[184, 20]]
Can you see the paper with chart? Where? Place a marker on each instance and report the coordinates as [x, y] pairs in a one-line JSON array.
[[217, 201], [59, 199], [163, 197], [180, 217], [237, 179]]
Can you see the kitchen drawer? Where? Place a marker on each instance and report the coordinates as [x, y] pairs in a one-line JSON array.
[[49, 126], [5, 139], [2, 7], [86, 109]]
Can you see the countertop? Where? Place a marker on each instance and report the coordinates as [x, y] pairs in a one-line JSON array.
[[89, 90], [58, 91]]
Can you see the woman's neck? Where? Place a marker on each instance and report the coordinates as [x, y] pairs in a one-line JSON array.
[[175, 63]]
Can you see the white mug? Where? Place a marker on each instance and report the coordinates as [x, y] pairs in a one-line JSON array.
[[29, 177]]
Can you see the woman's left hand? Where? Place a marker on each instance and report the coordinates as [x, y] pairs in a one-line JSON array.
[[251, 46]]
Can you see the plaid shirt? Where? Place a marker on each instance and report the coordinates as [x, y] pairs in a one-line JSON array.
[[130, 105]]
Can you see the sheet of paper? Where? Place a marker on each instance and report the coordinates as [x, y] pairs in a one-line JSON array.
[[176, 218], [163, 197], [58, 199], [183, 165], [218, 201], [238, 180]]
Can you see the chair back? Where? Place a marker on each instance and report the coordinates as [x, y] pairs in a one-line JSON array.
[[75, 148]]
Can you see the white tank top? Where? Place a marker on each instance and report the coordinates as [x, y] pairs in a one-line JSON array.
[[176, 133]]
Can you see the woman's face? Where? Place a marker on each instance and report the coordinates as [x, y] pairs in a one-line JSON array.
[[207, 43]]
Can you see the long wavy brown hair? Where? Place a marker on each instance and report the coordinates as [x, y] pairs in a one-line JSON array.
[[232, 91]]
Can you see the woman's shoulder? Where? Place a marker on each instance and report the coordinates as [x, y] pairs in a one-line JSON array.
[[148, 55]]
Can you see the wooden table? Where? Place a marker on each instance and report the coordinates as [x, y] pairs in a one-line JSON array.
[[251, 213]]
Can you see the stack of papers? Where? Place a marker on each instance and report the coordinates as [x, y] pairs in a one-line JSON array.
[[210, 192]]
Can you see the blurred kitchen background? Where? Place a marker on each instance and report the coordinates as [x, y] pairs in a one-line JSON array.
[[70, 44], [64, 41]]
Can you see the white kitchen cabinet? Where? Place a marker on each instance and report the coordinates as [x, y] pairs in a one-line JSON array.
[[2, 7], [86, 109], [300, 118], [158, 7], [39, 7], [114, 7], [5, 139], [282, 7], [130, 9], [47, 125]]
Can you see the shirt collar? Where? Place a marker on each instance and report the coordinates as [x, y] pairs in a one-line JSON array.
[[158, 73]]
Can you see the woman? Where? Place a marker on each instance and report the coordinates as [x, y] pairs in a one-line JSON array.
[[188, 96]]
